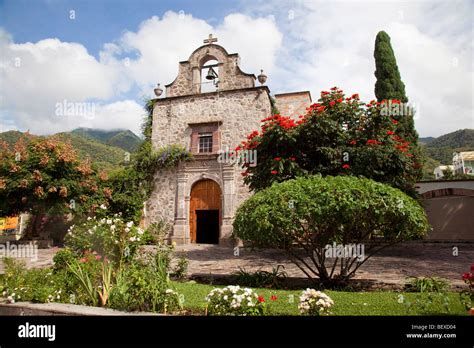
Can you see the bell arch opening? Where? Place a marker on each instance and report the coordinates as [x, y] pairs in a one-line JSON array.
[[209, 71]]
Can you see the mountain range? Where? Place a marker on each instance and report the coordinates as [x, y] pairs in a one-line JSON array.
[[107, 149]]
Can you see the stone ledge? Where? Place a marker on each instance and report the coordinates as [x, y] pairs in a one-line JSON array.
[[32, 309]]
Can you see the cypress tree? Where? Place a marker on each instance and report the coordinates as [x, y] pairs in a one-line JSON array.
[[389, 85]]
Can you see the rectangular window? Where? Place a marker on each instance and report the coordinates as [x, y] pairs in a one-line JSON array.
[[205, 142]]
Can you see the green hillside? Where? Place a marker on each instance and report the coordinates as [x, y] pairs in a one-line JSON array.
[[441, 149], [11, 137], [106, 157], [425, 140], [124, 139]]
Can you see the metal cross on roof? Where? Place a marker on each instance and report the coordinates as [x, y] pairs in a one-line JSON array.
[[210, 39]]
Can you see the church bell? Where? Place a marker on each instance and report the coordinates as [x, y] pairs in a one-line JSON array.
[[211, 74]]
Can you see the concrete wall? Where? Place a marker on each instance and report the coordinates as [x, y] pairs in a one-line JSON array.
[[449, 206], [452, 217]]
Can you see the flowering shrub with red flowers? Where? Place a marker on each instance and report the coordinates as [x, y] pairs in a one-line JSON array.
[[467, 296], [338, 135]]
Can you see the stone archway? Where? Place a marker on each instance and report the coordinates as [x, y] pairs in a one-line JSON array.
[[205, 212]]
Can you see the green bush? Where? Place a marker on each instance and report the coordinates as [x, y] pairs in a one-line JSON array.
[[145, 286], [426, 284], [35, 285], [181, 268], [111, 237], [304, 216], [62, 259], [261, 279]]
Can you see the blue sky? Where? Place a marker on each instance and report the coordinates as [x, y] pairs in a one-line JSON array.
[[113, 53], [97, 21]]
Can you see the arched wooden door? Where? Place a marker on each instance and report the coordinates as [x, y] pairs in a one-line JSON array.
[[205, 212]]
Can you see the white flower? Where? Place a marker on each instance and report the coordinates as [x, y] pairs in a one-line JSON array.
[[129, 224], [109, 222], [112, 227], [140, 231], [127, 229], [132, 239], [102, 206], [89, 218], [90, 231]]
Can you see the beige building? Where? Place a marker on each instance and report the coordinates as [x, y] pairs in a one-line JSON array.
[[210, 107], [463, 162]]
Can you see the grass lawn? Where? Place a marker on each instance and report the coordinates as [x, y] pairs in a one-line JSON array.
[[345, 303]]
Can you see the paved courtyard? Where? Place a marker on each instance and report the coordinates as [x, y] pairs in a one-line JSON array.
[[390, 267]]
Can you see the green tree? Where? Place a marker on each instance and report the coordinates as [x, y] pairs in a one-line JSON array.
[[389, 84], [46, 176], [337, 136], [302, 217]]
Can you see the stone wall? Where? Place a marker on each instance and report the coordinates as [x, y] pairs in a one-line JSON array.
[[238, 113], [188, 80], [293, 104]]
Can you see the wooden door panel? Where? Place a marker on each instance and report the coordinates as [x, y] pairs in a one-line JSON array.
[[205, 195]]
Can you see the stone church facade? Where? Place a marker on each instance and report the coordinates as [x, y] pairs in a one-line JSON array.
[[199, 198]]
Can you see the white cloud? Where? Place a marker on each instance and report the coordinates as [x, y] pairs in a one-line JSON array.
[[332, 43], [52, 71], [309, 45]]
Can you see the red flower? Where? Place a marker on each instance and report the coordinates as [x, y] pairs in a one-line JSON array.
[[346, 166], [83, 260], [237, 148], [321, 109], [277, 159], [261, 299], [324, 93], [389, 133], [372, 142], [466, 276], [274, 172], [394, 121], [368, 105], [273, 298], [355, 96], [353, 142], [332, 103], [244, 173], [339, 100], [292, 158], [334, 89], [97, 257]]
